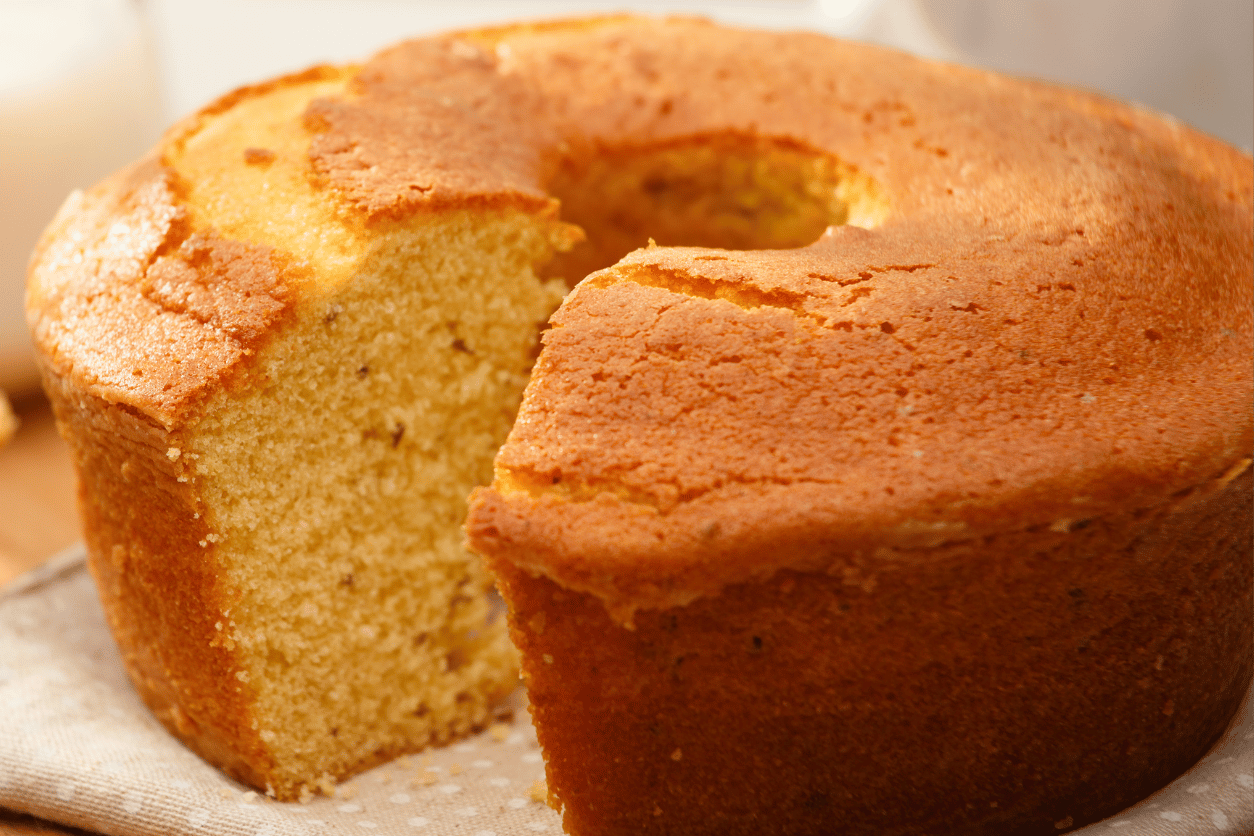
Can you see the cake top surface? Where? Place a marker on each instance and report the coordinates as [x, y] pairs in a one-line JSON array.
[[1042, 312]]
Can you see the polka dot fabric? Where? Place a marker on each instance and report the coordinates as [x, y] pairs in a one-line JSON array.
[[78, 747]]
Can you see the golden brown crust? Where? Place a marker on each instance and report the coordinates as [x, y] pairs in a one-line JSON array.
[[1039, 330], [137, 308]]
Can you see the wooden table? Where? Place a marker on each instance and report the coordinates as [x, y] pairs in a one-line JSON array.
[[37, 513], [37, 520]]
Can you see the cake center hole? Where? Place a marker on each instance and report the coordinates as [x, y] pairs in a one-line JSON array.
[[727, 192]]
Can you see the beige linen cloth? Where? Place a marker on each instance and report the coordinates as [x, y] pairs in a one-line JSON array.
[[78, 747]]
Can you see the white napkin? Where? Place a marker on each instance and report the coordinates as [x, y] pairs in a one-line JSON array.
[[78, 747]]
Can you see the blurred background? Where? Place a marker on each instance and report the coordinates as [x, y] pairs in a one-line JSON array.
[[87, 85]]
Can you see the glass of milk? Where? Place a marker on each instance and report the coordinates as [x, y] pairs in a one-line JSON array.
[[79, 98]]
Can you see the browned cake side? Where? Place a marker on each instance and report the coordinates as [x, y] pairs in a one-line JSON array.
[[1027, 683]]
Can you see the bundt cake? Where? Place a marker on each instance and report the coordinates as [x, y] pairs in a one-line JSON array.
[[892, 473]]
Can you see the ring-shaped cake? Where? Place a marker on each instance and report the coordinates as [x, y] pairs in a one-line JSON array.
[[901, 480]]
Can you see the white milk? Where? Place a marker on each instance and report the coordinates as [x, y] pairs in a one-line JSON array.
[[78, 99]]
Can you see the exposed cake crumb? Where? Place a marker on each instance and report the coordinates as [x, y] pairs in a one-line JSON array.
[[538, 791]]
